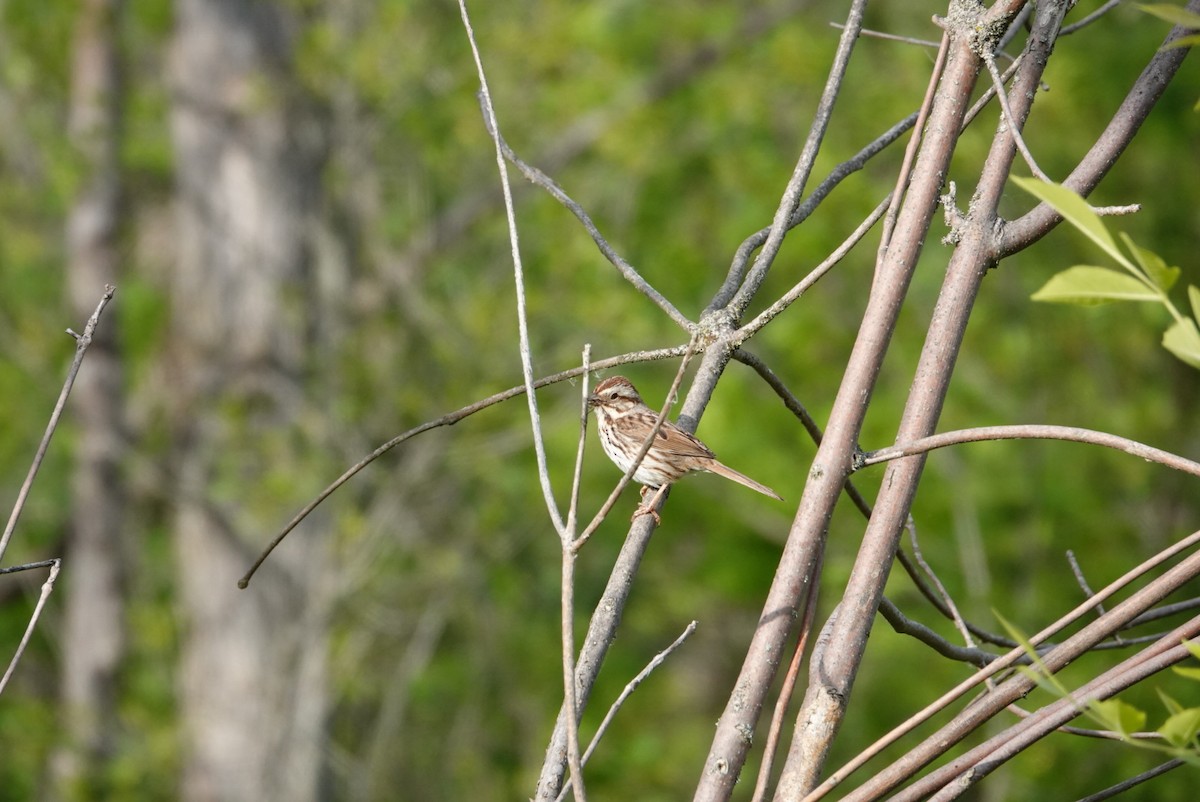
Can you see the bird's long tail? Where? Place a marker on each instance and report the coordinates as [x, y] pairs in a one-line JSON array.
[[721, 469]]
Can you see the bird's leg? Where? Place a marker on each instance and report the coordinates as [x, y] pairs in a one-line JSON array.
[[648, 508]]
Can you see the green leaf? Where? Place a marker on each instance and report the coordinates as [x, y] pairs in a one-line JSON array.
[[1039, 673], [1088, 285], [1169, 703], [1075, 210], [1172, 14], [1193, 647], [1181, 729], [1194, 297], [1191, 40], [1183, 340], [1164, 277], [1119, 716], [1190, 673]]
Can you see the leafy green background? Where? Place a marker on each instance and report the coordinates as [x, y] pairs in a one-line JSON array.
[[448, 542]]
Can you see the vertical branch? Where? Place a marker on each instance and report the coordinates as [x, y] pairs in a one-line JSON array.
[[824, 706], [602, 629], [518, 276], [569, 550], [834, 459], [808, 157]]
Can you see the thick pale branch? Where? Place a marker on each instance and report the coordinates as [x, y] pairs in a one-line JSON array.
[[832, 464], [1115, 620], [970, 768], [971, 33]]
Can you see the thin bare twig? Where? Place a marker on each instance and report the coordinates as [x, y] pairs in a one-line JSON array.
[[1014, 128], [959, 622], [934, 598], [1163, 612], [1136, 780], [581, 133], [628, 690], [827, 264], [448, 419], [1081, 580], [890, 37], [903, 625], [1090, 18], [493, 126], [568, 561], [990, 92], [47, 588], [626, 270], [1142, 97], [781, 224], [1103, 735], [573, 508], [1031, 432], [741, 257], [82, 341], [775, 732], [14, 569], [1116, 211], [910, 151], [567, 584]]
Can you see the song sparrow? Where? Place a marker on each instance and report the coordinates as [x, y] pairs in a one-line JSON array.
[[624, 421]]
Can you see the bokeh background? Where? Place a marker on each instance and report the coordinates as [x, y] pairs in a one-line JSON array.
[[311, 257]]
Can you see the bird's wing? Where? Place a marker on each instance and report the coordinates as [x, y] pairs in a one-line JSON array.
[[676, 441]]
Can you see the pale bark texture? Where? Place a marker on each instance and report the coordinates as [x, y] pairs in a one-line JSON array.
[[253, 690], [94, 608]]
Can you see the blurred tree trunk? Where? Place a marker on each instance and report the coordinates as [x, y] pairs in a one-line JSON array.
[[253, 693], [94, 610]]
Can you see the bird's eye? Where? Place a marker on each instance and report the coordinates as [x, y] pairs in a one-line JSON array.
[[612, 393]]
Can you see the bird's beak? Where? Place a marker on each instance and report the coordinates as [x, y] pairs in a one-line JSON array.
[[593, 401]]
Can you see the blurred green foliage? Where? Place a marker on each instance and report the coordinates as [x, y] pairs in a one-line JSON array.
[[446, 667]]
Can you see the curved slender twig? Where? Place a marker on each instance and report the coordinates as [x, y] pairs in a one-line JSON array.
[[539, 445], [1031, 432], [448, 419]]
